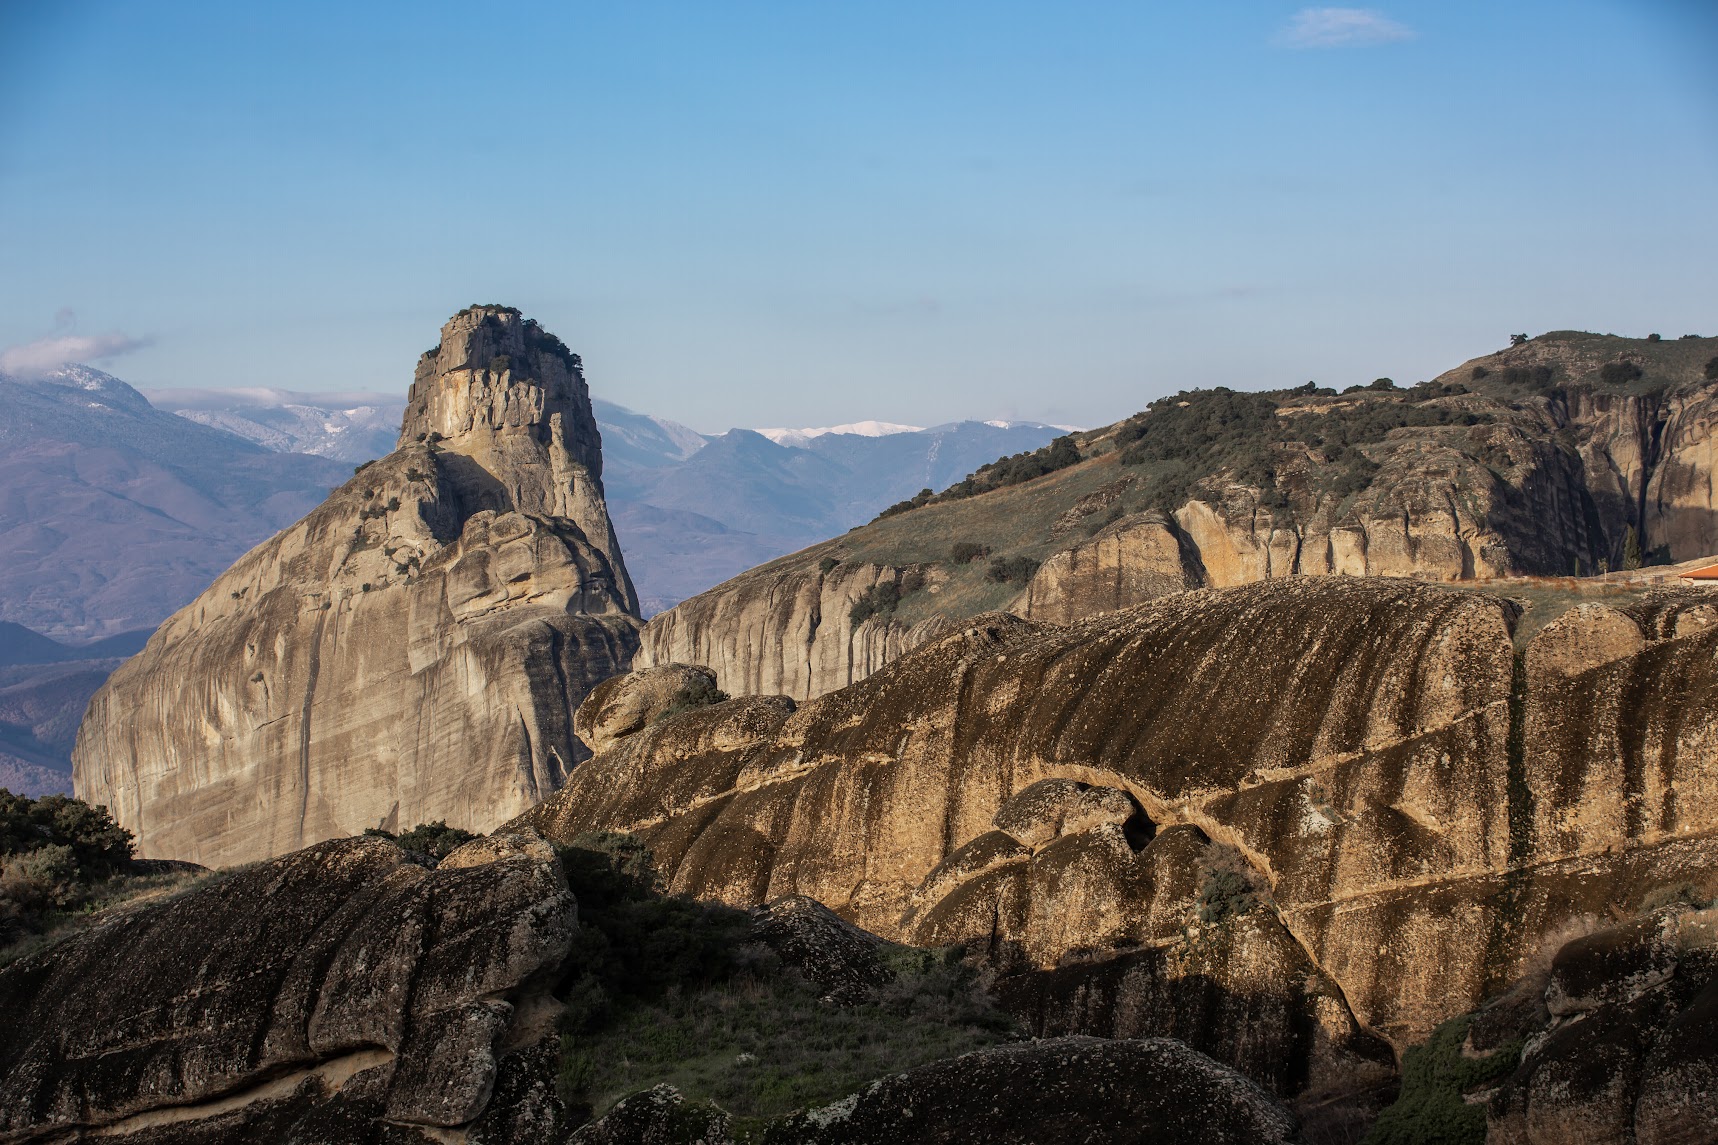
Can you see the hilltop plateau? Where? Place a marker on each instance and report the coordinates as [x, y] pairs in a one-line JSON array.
[[1563, 456]]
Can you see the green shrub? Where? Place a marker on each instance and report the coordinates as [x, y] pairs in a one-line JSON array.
[[1010, 570], [668, 990], [1435, 1075], [880, 600], [436, 840], [1224, 895], [700, 692], [54, 852], [965, 552], [1619, 373], [1711, 372], [826, 564]]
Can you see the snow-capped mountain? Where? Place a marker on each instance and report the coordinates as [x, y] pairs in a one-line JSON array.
[[352, 426]]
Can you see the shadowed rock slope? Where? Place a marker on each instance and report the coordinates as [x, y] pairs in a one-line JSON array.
[[1297, 824], [410, 651], [337, 994], [1562, 455]]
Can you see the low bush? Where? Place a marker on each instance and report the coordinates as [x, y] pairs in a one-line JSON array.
[[1435, 1076], [1711, 372], [1619, 373], [700, 692], [668, 990], [965, 552], [55, 852], [435, 841], [1011, 570]]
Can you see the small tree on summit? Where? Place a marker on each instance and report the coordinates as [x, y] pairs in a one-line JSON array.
[[1517, 339]]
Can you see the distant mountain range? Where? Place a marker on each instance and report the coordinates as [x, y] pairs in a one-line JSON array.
[[114, 513], [691, 509], [44, 688]]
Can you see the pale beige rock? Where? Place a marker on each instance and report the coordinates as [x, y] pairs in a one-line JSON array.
[[1583, 638], [410, 651], [1340, 745], [622, 705], [1125, 564]]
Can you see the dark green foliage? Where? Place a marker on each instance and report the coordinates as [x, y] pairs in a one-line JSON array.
[[1653, 338], [1619, 373], [98, 845], [1480, 373], [1711, 371], [1382, 384], [1517, 339], [1185, 438], [701, 692], [1224, 895], [435, 840], [361, 466], [1536, 377], [922, 497], [1435, 1075], [500, 364], [667, 990], [826, 564], [54, 852], [879, 600], [1010, 570], [965, 552]]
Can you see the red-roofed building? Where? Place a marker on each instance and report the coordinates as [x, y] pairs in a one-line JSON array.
[[1710, 572]]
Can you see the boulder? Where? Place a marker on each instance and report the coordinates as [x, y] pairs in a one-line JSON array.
[[323, 992]]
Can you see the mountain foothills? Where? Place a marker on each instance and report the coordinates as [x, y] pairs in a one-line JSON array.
[[113, 513], [1565, 454], [410, 651], [1144, 784]]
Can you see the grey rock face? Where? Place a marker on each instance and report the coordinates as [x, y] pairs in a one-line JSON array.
[[1085, 1091], [318, 992], [410, 651]]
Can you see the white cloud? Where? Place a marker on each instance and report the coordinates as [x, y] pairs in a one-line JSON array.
[[1341, 28], [45, 355]]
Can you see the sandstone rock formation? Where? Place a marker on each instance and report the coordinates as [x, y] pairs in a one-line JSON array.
[[1328, 810], [320, 996], [410, 651], [1533, 461]]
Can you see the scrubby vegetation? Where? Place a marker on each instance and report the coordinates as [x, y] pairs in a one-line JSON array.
[[434, 841], [965, 552], [57, 855], [668, 990], [881, 600], [1013, 470], [1435, 1075], [1182, 440], [700, 692], [1011, 570]]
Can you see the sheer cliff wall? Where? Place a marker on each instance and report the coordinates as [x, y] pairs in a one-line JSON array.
[[410, 651]]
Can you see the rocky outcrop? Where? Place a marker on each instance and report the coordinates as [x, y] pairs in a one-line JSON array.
[[1547, 459], [410, 651], [339, 994], [1085, 1090], [788, 631], [1267, 802], [1080, 1090]]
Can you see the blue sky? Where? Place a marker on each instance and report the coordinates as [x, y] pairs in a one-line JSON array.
[[804, 213]]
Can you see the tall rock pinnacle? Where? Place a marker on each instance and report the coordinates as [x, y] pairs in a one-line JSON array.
[[410, 651]]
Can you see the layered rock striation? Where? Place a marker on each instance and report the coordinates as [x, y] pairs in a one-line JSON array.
[[1565, 455], [340, 993], [1332, 812], [410, 651]]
